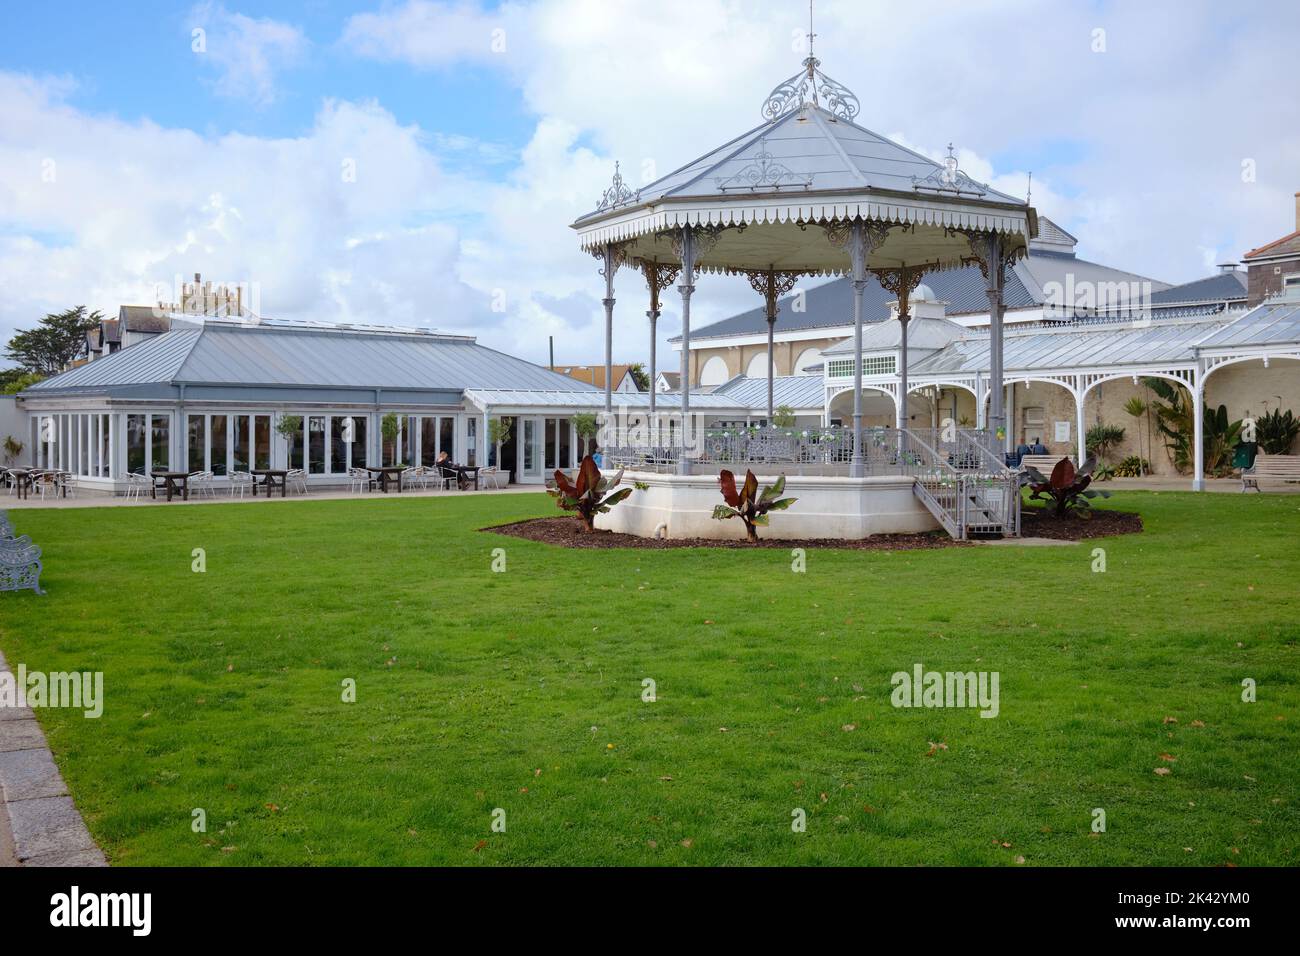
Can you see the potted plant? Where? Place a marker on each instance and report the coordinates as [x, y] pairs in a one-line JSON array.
[[498, 434], [390, 427], [12, 449], [587, 428], [289, 427]]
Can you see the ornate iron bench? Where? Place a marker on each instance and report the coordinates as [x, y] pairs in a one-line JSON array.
[[1282, 468], [6, 529], [20, 565]]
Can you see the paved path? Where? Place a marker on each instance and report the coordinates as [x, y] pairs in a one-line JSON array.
[[39, 823]]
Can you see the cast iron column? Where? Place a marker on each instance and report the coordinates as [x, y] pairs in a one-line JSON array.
[[686, 287]]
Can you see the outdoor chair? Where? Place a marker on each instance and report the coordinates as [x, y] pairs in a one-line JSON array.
[[447, 477], [201, 483], [136, 485], [359, 480], [297, 480], [240, 481], [491, 475], [20, 565], [69, 482]]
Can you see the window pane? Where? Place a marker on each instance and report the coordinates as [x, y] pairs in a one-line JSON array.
[[428, 441], [241, 443], [262, 435], [530, 442], [550, 445], [105, 446], [316, 444], [161, 437], [471, 453], [220, 443], [338, 446], [295, 448], [358, 442], [198, 442], [410, 432], [566, 446], [135, 443], [447, 437]]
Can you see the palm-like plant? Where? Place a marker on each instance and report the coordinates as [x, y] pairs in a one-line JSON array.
[[1137, 408], [747, 504], [1277, 431], [1066, 488], [587, 495]]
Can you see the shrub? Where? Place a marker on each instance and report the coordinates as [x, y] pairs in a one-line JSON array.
[[1276, 431], [587, 496], [1067, 489], [1131, 467], [744, 505]]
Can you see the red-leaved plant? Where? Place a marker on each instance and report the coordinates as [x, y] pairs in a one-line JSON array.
[[587, 495], [747, 504], [1067, 489]]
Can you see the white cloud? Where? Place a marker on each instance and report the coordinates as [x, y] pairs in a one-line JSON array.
[[1138, 152], [428, 34], [246, 52]]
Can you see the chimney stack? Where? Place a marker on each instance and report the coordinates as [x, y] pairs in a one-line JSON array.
[[1297, 212]]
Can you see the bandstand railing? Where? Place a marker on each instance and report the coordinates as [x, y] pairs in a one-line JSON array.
[[959, 474]]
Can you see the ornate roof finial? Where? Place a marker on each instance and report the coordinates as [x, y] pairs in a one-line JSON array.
[[808, 86], [1029, 190], [949, 178], [618, 192]]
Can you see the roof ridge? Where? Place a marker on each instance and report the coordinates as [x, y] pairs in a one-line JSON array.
[[1270, 245]]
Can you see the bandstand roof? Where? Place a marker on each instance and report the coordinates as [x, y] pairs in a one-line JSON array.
[[805, 165]]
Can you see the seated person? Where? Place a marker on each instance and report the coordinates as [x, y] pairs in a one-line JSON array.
[[449, 469], [1039, 448]]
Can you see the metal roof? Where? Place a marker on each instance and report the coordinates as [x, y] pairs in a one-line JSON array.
[[237, 354], [1100, 344], [797, 391], [922, 333], [807, 148], [592, 400], [1269, 324], [1223, 287], [830, 305]]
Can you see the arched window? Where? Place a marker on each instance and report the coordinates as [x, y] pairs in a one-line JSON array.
[[714, 371], [757, 367], [807, 357]]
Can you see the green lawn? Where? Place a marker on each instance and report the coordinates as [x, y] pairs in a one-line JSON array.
[[522, 691]]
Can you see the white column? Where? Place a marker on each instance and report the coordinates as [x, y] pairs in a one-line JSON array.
[[686, 287], [903, 320], [1198, 429], [1081, 438], [858, 269]]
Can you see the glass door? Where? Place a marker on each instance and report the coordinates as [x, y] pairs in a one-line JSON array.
[[530, 449]]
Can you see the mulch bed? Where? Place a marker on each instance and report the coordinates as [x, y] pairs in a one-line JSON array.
[[568, 532], [1040, 523]]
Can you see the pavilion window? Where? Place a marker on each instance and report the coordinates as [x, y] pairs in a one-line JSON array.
[[551, 444], [316, 445], [160, 457], [338, 446], [105, 447], [241, 442], [358, 451], [410, 440], [471, 452], [297, 444], [135, 441], [428, 441], [262, 441], [530, 442], [220, 438], [197, 437], [447, 436]]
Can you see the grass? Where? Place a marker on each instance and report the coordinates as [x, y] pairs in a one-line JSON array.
[[522, 691]]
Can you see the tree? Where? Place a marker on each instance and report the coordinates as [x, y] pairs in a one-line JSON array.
[[54, 343], [638, 373], [586, 426], [14, 380], [783, 416], [498, 433]]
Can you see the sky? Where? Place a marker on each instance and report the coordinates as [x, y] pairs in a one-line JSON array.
[[418, 162]]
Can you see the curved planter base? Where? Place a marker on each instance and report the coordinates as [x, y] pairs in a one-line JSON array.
[[681, 506]]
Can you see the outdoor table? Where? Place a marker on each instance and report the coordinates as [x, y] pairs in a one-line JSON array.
[[271, 477], [22, 480], [387, 474], [460, 473], [174, 481]]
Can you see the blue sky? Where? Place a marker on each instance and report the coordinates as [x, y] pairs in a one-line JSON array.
[[478, 130]]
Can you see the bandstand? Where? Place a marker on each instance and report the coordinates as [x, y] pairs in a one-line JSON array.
[[809, 192]]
